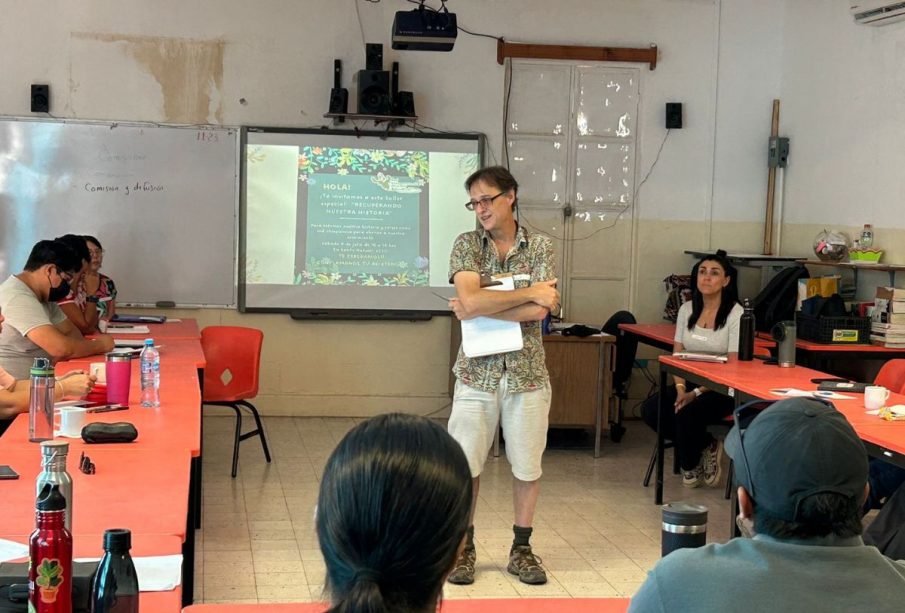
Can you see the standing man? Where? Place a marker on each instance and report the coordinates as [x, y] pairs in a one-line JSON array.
[[35, 327], [513, 387]]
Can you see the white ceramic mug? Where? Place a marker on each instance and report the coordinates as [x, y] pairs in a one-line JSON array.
[[99, 371], [71, 421], [875, 396]]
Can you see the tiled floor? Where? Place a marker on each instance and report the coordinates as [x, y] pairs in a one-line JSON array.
[[597, 528]]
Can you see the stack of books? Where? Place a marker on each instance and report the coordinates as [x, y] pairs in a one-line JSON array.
[[887, 326]]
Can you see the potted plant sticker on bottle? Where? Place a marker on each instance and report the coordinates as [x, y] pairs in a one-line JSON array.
[[50, 576]]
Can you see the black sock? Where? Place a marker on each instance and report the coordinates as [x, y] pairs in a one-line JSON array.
[[469, 538], [522, 536]]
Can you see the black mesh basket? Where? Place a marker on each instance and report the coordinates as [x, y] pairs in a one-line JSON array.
[[833, 330]]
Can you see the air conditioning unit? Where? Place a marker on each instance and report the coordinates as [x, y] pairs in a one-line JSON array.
[[878, 12]]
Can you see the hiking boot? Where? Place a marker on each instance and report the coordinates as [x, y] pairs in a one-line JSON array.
[[526, 565], [711, 460], [693, 478], [463, 571]]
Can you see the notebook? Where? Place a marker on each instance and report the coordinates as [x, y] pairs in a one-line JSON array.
[[702, 356]]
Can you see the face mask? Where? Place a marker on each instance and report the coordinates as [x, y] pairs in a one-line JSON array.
[[59, 292]]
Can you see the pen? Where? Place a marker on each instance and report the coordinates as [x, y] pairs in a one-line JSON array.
[[441, 296], [108, 408]]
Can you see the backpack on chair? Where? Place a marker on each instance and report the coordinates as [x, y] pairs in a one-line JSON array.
[[776, 301]]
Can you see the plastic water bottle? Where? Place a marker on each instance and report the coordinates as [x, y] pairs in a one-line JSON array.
[[150, 375], [40, 401]]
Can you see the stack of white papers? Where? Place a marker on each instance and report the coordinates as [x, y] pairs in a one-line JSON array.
[[11, 550], [487, 336]]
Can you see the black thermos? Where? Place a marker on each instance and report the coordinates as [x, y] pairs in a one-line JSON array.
[[746, 334], [684, 526]]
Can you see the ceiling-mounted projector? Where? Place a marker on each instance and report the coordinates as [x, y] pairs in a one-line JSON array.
[[424, 30]]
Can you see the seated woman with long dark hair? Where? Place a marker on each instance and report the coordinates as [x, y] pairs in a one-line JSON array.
[[392, 514], [709, 322]]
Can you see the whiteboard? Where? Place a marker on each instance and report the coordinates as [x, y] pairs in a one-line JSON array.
[[161, 199]]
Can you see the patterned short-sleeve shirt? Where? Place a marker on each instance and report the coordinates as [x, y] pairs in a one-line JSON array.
[[530, 260], [106, 292]]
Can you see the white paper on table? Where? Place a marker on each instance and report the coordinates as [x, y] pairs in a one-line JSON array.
[[71, 403], [11, 550], [796, 393], [155, 573], [486, 336], [127, 329]]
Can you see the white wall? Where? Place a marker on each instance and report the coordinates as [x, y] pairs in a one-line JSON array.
[[843, 89], [195, 62], [149, 60]]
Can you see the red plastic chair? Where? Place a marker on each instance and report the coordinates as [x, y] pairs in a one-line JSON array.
[[892, 376], [233, 357]]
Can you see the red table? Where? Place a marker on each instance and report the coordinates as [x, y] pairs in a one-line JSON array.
[[186, 328], [164, 463], [752, 380], [662, 335], [176, 423], [125, 492], [172, 350], [475, 605]]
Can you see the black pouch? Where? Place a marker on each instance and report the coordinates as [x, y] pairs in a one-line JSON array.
[[14, 586], [120, 432], [580, 331]]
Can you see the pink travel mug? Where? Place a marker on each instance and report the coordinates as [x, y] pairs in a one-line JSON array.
[[119, 378]]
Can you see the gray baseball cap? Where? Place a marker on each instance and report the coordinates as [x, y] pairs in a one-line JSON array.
[[793, 449]]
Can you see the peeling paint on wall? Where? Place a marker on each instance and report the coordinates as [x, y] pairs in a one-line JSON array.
[[188, 71]]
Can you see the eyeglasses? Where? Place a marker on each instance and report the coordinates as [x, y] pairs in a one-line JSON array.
[[65, 276], [483, 202], [96, 252], [744, 415]]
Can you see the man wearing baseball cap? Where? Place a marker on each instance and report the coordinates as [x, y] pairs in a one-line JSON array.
[[802, 478]]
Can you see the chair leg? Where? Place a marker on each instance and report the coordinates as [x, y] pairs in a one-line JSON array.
[[650, 466], [237, 440], [259, 428], [729, 481]]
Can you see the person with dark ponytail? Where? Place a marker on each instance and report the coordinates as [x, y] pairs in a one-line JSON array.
[[392, 513], [709, 322]]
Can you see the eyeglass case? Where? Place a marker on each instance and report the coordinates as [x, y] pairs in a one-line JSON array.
[[120, 432]]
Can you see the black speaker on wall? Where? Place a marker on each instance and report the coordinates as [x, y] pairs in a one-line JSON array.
[[373, 56], [673, 115], [404, 104], [339, 96], [40, 98], [374, 92]]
